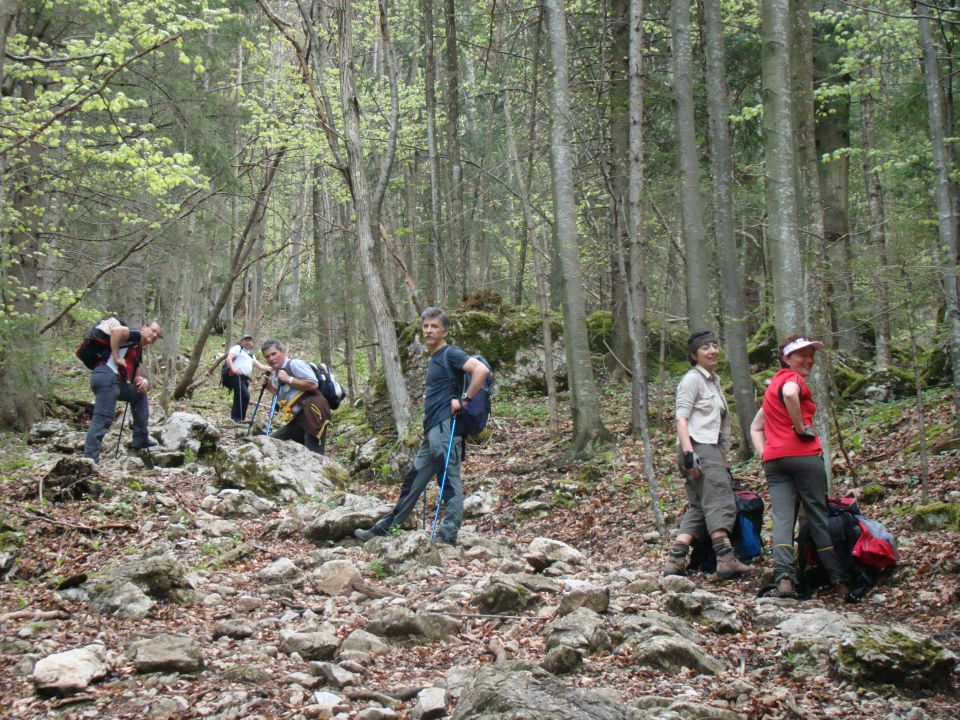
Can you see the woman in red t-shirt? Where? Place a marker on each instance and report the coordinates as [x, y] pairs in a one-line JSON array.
[[783, 435]]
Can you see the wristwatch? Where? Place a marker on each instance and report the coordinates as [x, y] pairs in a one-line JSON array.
[[465, 398]]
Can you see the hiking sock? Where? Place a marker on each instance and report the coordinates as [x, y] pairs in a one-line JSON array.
[[722, 546], [678, 550]]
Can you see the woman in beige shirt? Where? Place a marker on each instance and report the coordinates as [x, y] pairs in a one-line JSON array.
[[703, 429]]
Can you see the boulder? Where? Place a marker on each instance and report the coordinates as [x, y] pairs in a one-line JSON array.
[[395, 621], [543, 552], [335, 578], [704, 609], [278, 469], [513, 691], [503, 594], [360, 645], [281, 570], [653, 707], [237, 628], [892, 654], [480, 503], [233, 503], [158, 577], [437, 626], [431, 703], [189, 431], [666, 650], [166, 653], [47, 430], [562, 660], [582, 594], [410, 550], [319, 645], [334, 674], [809, 637], [70, 671], [72, 478], [582, 629], [355, 511]]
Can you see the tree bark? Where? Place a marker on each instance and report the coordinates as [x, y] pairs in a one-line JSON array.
[[436, 281], [781, 168], [945, 204], [691, 204], [588, 429], [459, 236]]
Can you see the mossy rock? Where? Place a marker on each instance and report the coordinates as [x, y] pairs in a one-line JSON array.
[[845, 377], [485, 300], [872, 493], [936, 516], [894, 655], [762, 347], [891, 383], [935, 366], [762, 379]]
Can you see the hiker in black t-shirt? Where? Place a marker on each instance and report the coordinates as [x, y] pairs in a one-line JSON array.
[[117, 377], [442, 401]]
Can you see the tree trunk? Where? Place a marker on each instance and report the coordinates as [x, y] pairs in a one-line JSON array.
[[781, 168], [947, 221], [458, 231], [691, 205], [322, 265], [376, 296], [588, 430], [734, 304], [436, 280]]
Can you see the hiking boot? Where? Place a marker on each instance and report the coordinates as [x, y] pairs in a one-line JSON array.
[[440, 540], [675, 565], [374, 532], [729, 566], [143, 445], [785, 589], [843, 591]]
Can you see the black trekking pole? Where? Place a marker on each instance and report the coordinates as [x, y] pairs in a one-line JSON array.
[[123, 420], [255, 408], [443, 482]]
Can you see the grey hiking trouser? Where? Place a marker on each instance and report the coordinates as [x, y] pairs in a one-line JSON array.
[[428, 464], [792, 480], [711, 503], [107, 389]]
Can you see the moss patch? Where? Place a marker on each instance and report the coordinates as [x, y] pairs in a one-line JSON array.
[[872, 493], [884, 654], [936, 516]]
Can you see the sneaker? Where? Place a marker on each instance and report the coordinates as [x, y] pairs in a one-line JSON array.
[[374, 532], [729, 566]]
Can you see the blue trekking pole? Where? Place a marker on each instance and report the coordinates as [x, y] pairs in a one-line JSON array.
[[273, 409], [446, 462]]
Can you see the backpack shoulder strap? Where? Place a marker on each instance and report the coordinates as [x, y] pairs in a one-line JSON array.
[[451, 373]]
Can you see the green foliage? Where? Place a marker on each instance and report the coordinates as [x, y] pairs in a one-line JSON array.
[[600, 329], [377, 568]]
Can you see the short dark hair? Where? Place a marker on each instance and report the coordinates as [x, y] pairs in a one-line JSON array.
[[696, 339], [267, 344], [435, 312]]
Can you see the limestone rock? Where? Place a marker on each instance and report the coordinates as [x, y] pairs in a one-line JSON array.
[[584, 595], [514, 691], [340, 522], [582, 629], [665, 708], [188, 431], [166, 653], [705, 609], [335, 578], [677, 584], [562, 660], [431, 703], [360, 643], [543, 552], [808, 638], [503, 594], [893, 654], [666, 650], [395, 621], [410, 550], [236, 628], [480, 503], [278, 469], [70, 671], [159, 577], [281, 570], [319, 645], [336, 675], [47, 430], [124, 600], [233, 503], [437, 626], [630, 624]]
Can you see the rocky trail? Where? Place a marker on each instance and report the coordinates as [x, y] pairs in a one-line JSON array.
[[228, 585]]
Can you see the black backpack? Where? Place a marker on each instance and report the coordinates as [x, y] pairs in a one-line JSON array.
[[745, 537], [845, 530], [94, 349], [226, 377], [473, 418], [328, 385]]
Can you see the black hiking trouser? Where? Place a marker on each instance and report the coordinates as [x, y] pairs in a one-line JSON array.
[[240, 384]]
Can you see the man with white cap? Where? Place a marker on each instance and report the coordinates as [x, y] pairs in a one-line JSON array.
[[241, 362]]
